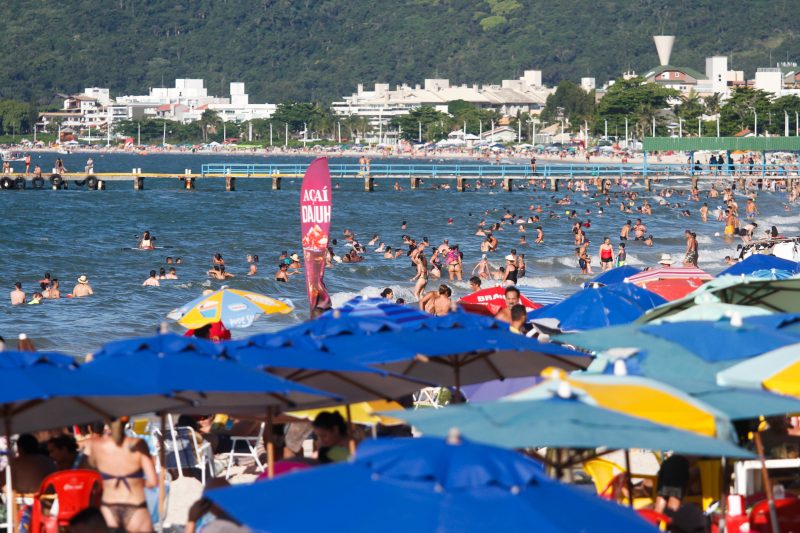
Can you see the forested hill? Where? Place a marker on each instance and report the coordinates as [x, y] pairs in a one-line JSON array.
[[320, 49]]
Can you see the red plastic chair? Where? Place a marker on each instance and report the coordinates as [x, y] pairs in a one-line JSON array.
[[75, 491], [661, 521], [787, 509]]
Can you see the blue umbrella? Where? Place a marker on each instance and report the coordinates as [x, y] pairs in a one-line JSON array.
[[758, 262], [596, 307], [456, 349], [380, 308], [303, 360], [496, 389], [615, 275], [426, 484], [191, 369], [43, 390], [540, 296]]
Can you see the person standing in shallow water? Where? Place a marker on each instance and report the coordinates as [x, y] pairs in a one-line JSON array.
[[606, 255], [690, 260]]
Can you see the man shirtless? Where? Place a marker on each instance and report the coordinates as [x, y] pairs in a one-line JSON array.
[[17, 295], [82, 288], [437, 303]]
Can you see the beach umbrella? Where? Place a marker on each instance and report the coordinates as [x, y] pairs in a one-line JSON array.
[[681, 352], [191, 369], [777, 371], [654, 274], [303, 360], [491, 300], [380, 308], [494, 390], [430, 485], [673, 289], [364, 413], [539, 296], [771, 273], [711, 311], [757, 262], [233, 307], [779, 296], [615, 275], [600, 306], [44, 390], [557, 414], [456, 349]]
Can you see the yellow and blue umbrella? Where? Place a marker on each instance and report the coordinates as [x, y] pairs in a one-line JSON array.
[[234, 308], [777, 371]]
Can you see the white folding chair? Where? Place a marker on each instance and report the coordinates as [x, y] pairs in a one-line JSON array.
[[252, 450], [427, 397]]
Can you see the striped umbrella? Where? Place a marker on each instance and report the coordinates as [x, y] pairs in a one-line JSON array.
[[540, 296], [656, 274], [233, 307], [777, 371], [361, 307]]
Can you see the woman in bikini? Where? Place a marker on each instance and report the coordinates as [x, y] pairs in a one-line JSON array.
[[127, 468], [422, 275]]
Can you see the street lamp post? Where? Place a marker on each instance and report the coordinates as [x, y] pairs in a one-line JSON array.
[[419, 135], [755, 125], [680, 127]]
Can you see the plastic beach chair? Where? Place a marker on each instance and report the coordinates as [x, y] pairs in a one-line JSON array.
[[610, 481], [427, 397], [249, 444], [75, 490]]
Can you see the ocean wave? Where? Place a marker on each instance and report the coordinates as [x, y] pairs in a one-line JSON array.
[[340, 298], [542, 282]]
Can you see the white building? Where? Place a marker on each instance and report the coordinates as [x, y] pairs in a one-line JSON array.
[[588, 84], [510, 97], [769, 80]]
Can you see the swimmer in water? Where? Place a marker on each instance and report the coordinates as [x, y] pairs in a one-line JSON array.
[[152, 281], [147, 241], [253, 266]]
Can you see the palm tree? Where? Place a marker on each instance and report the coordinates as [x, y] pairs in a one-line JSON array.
[[712, 103], [209, 121]]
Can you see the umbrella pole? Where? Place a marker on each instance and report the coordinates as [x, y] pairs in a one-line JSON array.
[[351, 442], [723, 499], [773, 514], [9, 487], [457, 380], [629, 477], [270, 445], [162, 476]]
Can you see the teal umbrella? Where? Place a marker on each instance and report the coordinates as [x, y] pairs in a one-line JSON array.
[[565, 418]]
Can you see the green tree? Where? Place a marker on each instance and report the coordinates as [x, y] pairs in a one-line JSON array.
[[435, 124], [740, 110], [571, 102], [786, 106], [298, 114], [691, 106], [465, 112], [637, 101]]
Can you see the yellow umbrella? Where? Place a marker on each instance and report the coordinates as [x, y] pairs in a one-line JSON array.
[[364, 413], [234, 308], [645, 398]]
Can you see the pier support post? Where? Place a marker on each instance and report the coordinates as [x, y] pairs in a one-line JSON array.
[[101, 185], [276, 183], [647, 185], [508, 184], [460, 184], [369, 184], [230, 183], [554, 184], [415, 181], [138, 180], [694, 182], [189, 183]]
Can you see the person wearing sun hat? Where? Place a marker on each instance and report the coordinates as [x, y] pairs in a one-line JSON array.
[[295, 261], [666, 260], [511, 270], [82, 288]]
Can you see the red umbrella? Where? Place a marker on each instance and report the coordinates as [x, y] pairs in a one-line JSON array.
[[490, 301], [672, 289]]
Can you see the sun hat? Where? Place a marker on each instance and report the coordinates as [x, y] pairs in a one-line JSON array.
[[83, 279], [295, 257], [509, 257], [666, 259]]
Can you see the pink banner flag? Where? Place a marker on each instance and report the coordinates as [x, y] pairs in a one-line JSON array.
[[315, 223]]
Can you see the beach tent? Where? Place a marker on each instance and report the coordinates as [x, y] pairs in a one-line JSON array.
[[596, 307], [430, 485], [757, 262]]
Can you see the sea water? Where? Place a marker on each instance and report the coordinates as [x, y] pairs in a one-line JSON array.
[[73, 232]]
